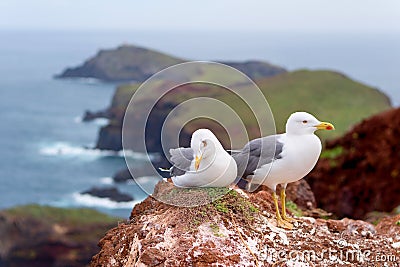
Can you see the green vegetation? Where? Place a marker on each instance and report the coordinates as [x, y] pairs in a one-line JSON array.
[[124, 63], [332, 154], [215, 229], [233, 203], [133, 63], [221, 206], [292, 207], [230, 205], [73, 216], [398, 223], [330, 96], [190, 197]]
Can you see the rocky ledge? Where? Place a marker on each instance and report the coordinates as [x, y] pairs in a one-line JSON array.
[[111, 193], [239, 230], [43, 236], [359, 173]]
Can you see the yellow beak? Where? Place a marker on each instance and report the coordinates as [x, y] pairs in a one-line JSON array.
[[197, 162], [325, 126]]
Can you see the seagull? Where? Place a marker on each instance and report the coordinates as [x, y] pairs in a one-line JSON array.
[[282, 158], [204, 164]]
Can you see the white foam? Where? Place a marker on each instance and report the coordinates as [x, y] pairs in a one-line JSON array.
[[106, 180], [97, 121], [92, 201], [61, 148], [78, 119], [142, 180], [65, 149], [100, 121], [85, 80], [137, 155]]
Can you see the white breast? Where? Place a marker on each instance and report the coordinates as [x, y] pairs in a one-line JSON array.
[[220, 171], [299, 156]]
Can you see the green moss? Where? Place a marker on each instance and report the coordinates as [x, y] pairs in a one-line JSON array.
[[196, 222], [217, 192], [220, 206], [292, 207], [398, 223], [233, 193], [236, 204], [230, 205], [197, 216], [61, 215], [215, 229], [332, 153], [193, 196], [253, 208]]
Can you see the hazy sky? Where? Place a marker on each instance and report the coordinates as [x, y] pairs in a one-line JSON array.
[[256, 15]]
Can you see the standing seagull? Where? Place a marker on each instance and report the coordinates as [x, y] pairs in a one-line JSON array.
[[282, 158], [204, 164]]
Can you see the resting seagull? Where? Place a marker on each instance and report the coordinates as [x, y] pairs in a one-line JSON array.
[[204, 164], [282, 158]]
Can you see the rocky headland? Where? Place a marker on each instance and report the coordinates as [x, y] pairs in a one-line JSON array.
[[239, 230], [327, 94], [129, 63], [44, 236]]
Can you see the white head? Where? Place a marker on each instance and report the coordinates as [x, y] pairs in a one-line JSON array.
[[204, 143], [304, 123]]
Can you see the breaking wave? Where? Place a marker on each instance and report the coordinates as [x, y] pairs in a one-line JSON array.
[[65, 149], [106, 180], [98, 121], [87, 200]]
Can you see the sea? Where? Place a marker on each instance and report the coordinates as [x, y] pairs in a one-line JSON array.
[[47, 153]]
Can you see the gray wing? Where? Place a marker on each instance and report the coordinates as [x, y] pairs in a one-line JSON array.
[[256, 153], [181, 159]]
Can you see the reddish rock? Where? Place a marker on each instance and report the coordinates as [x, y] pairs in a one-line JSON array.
[[390, 226], [364, 176], [230, 232], [300, 193]]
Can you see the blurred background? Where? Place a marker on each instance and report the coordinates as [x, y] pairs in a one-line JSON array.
[[68, 69]]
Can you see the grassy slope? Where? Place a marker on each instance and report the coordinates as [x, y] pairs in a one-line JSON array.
[[329, 95], [123, 63], [73, 216]]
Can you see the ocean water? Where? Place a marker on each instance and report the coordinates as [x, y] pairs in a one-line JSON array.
[[44, 157]]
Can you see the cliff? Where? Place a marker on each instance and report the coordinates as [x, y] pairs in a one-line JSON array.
[[329, 95], [239, 230], [133, 63], [359, 172], [44, 236]]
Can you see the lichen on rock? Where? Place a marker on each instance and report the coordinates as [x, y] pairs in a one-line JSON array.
[[239, 229]]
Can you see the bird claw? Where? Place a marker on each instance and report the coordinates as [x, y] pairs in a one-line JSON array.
[[284, 224], [290, 220]]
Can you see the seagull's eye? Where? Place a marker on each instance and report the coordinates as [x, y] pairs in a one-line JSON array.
[[305, 121], [204, 143]]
